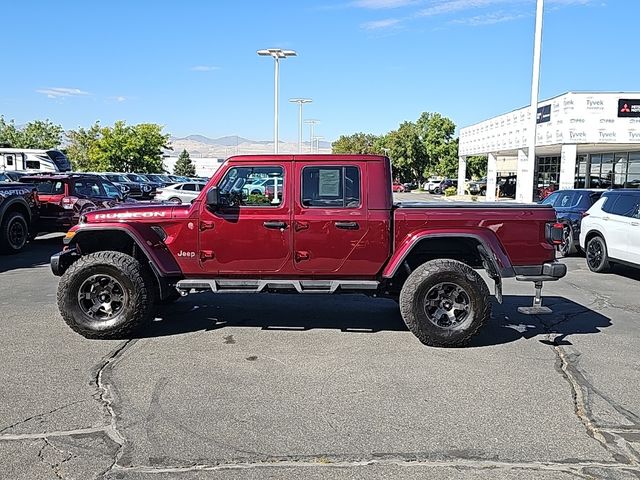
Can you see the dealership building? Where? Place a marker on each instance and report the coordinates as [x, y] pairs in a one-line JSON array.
[[587, 140]]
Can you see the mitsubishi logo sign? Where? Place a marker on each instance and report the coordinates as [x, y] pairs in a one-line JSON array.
[[629, 108]]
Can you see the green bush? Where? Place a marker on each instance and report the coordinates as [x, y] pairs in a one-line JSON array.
[[450, 191]]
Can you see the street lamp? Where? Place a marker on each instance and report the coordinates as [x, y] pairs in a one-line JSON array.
[[311, 122], [526, 177], [276, 54], [317, 140], [300, 102]]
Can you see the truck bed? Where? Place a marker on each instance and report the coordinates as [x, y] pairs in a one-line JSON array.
[[474, 205]]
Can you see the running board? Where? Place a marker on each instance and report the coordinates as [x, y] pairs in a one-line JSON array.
[[224, 285]]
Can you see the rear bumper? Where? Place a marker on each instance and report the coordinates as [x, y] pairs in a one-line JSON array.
[[547, 272]]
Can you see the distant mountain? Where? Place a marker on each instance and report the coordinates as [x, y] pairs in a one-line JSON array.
[[200, 146], [228, 141]]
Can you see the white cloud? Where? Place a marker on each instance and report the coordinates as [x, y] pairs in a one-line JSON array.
[[204, 68], [380, 4], [489, 19], [60, 92], [453, 6], [119, 98], [380, 24]]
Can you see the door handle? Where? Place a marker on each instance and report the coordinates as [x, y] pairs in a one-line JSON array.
[[635, 224], [605, 218], [347, 225], [301, 255], [275, 224]]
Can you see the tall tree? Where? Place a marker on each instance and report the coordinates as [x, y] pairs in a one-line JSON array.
[[477, 166], [184, 166], [436, 133], [8, 132], [41, 134], [406, 151], [81, 149], [362, 143], [121, 148]]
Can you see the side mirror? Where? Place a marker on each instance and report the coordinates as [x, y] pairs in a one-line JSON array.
[[213, 198]]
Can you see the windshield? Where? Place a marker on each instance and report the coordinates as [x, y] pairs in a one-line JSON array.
[[4, 178], [154, 178], [60, 159], [118, 178], [137, 178]]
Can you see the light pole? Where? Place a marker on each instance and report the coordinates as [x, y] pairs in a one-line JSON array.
[[300, 102], [317, 140], [311, 122], [526, 173], [276, 54]]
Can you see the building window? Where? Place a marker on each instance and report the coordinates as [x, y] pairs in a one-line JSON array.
[[633, 175], [547, 171]]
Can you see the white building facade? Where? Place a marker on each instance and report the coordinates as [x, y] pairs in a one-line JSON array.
[[583, 140]]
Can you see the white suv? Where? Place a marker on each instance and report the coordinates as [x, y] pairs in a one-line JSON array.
[[610, 231]]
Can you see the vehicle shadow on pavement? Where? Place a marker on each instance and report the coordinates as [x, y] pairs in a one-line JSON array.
[[567, 318], [37, 252], [295, 312], [361, 314]]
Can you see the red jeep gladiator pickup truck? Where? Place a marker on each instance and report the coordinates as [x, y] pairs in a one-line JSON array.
[[307, 224]]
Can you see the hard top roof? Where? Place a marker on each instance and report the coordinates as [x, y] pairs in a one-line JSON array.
[[307, 158]]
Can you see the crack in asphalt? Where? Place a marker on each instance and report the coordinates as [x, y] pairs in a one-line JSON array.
[[409, 460], [614, 442], [41, 415], [56, 467], [603, 301], [105, 396]]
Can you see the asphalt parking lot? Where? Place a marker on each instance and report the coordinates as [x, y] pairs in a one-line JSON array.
[[308, 387]]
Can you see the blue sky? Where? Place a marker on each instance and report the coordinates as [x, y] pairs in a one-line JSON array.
[[367, 64]]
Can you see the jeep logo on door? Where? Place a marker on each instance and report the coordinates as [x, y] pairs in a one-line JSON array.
[[629, 108]]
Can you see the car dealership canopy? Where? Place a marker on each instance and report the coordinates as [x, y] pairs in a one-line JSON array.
[[588, 135]]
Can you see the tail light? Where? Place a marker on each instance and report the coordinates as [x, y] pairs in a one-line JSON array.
[[553, 233], [585, 214], [68, 202], [158, 191]]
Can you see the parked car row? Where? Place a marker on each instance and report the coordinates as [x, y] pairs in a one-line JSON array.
[[602, 224], [36, 203]]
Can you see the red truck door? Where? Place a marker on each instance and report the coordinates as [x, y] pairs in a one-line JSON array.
[[253, 235], [330, 218]]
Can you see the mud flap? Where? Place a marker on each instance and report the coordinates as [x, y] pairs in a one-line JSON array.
[[536, 308], [498, 289]]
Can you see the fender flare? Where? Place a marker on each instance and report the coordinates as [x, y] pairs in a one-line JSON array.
[[490, 249], [160, 258], [16, 201]]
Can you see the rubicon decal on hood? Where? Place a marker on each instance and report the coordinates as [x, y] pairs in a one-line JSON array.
[[123, 215]]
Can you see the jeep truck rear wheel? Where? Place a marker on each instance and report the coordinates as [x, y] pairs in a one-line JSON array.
[[106, 295], [444, 303]]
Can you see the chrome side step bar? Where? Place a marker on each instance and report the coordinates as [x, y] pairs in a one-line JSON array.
[[224, 285]]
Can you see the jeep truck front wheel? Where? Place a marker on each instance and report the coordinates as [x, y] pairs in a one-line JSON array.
[[444, 303], [106, 295]]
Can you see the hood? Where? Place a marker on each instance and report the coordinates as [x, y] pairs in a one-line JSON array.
[[125, 212]]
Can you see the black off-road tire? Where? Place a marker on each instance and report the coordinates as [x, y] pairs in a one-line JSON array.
[[140, 288], [595, 264], [13, 224], [428, 276]]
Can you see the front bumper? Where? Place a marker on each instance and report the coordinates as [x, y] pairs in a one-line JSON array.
[[62, 260], [548, 272]]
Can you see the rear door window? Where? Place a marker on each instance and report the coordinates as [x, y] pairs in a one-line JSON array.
[[331, 187], [88, 187], [626, 206], [189, 187], [49, 187]]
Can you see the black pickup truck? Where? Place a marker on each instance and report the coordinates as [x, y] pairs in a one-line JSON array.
[[18, 214]]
